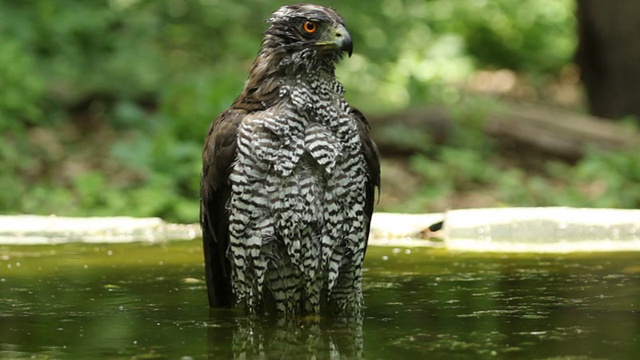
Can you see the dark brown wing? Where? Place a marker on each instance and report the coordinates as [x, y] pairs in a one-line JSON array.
[[217, 157], [372, 158]]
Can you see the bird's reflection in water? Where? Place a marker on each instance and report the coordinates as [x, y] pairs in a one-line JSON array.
[[231, 335]]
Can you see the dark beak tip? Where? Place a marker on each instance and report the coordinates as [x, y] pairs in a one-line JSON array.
[[347, 47]]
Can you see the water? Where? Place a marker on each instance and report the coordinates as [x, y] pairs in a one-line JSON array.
[[149, 302]]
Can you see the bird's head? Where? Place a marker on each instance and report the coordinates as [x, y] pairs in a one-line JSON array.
[[308, 30], [303, 41]]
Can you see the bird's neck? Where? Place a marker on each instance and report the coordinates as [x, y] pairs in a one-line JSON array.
[[277, 67]]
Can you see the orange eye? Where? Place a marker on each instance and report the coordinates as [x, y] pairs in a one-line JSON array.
[[310, 27]]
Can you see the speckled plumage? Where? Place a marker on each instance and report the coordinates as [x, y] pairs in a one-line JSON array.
[[289, 175]]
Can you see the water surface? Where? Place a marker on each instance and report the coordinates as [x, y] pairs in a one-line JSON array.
[[145, 301]]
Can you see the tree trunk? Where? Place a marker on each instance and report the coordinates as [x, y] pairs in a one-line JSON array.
[[609, 56]]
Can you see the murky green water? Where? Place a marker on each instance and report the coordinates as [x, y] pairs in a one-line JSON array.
[[148, 301]]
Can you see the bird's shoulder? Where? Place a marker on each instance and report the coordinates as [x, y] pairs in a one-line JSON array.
[[220, 147]]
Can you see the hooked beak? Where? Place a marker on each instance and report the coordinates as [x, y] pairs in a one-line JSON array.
[[338, 37], [342, 39]]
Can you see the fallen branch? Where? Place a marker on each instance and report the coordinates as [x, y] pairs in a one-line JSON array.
[[550, 130]]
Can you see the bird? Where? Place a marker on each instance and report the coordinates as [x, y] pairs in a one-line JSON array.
[[289, 177]]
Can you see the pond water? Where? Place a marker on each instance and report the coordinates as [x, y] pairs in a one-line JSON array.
[[149, 301]]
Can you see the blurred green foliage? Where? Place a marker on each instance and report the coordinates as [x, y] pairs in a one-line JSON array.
[[600, 179], [104, 105]]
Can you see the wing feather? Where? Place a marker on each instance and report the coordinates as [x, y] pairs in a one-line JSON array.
[[372, 158], [217, 158]]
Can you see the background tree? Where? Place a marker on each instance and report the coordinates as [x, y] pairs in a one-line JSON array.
[[104, 104], [609, 56]]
